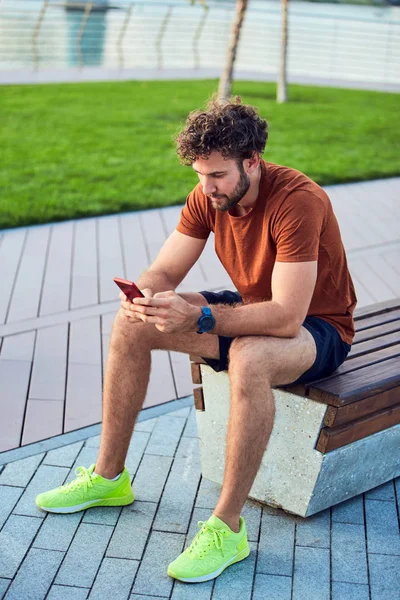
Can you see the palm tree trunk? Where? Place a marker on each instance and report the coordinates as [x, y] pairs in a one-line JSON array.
[[225, 83], [282, 95]]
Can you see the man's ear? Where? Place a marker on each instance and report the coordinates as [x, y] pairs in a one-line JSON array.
[[252, 163]]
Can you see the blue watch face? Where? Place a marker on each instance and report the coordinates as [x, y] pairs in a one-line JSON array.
[[207, 323]]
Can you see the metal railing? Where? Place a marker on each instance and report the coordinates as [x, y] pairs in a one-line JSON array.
[[322, 43]]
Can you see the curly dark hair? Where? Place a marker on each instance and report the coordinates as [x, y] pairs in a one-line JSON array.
[[235, 130]]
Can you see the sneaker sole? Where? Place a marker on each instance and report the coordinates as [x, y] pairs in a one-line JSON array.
[[123, 501], [241, 556]]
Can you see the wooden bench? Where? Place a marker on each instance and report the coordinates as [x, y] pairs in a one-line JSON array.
[[332, 439]]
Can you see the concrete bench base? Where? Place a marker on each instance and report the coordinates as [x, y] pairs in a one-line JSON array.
[[294, 475]]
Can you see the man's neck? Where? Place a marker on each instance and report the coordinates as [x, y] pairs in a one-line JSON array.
[[249, 200]]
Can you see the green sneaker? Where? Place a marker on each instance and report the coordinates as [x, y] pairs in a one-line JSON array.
[[86, 491], [214, 548]]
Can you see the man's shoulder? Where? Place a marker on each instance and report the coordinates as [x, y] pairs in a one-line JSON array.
[[286, 182]]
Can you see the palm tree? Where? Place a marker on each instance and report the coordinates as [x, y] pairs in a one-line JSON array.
[[225, 83], [281, 93]]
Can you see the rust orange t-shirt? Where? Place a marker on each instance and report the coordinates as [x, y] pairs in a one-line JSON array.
[[291, 221]]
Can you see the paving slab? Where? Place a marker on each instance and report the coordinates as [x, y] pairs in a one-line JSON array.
[[349, 591], [277, 587], [124, 552], [58, 531], [350, 511], [15, 540], [165, 436], [276, 547], [236, 583], [9, 497], [311, 574], [45, 478], [4, 584], [84, 555], [132, 530], [114, 579], [349, 553], [385, 577], [175, 508], [152, 577], [20, 472], [150, 479], [383, 533], [314, 531], [67, 592], [35, 575]]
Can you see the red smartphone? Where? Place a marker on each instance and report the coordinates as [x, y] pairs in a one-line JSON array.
[[130, 290]]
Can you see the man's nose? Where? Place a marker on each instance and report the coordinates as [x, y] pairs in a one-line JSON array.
[[209, 188]]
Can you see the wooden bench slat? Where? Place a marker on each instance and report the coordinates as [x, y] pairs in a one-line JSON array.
[[376, 309], [198, 399], [339, 390], [352, 363], [375, 332], [335, 437], [383, 341], [338, 415], [196, 373], [380, 319]]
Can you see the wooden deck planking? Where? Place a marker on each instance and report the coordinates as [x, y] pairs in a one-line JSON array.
[[194, 280], [153, 232], [49, 364], [379, 218], [352, 232], [57, 277], [182, 374], [135, 254], [374, 284], [84, 384], [161, 385], [84, 284], [28, 285], [11, 250], [14, 377], [393, 259], [386, 272], [111, 262], [43, 419]]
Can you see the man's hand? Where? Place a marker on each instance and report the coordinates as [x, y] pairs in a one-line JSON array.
[[129, 309], [168, 312]]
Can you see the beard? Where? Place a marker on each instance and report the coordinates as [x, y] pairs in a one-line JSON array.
[[226, 202]]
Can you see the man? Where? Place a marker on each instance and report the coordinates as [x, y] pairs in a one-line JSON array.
[[278, 238]]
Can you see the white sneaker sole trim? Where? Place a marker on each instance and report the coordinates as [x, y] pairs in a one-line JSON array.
[[69, 509], [241, 556]]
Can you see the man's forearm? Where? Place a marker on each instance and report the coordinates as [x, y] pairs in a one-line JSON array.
[[261, 318], [157, 281]]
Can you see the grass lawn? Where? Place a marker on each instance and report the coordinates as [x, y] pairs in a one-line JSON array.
[[74, 150]]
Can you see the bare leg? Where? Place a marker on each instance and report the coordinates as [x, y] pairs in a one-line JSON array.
[[127, 377], [256, 364]]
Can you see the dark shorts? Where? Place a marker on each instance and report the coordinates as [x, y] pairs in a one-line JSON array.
[[331, 350]]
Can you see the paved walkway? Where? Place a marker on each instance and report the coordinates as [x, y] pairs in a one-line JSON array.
[[76, 75], [349, 552]]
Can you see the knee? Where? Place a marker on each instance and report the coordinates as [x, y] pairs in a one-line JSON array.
[[126, 332], [251, 362]]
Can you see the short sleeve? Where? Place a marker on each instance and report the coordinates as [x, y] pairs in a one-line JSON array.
[[193, 220], [297, 230]]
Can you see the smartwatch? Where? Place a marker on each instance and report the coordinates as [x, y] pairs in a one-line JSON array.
[[206, 321]]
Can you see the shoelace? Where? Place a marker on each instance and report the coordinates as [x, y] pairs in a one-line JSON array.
[[84, 479], [202, 539]]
